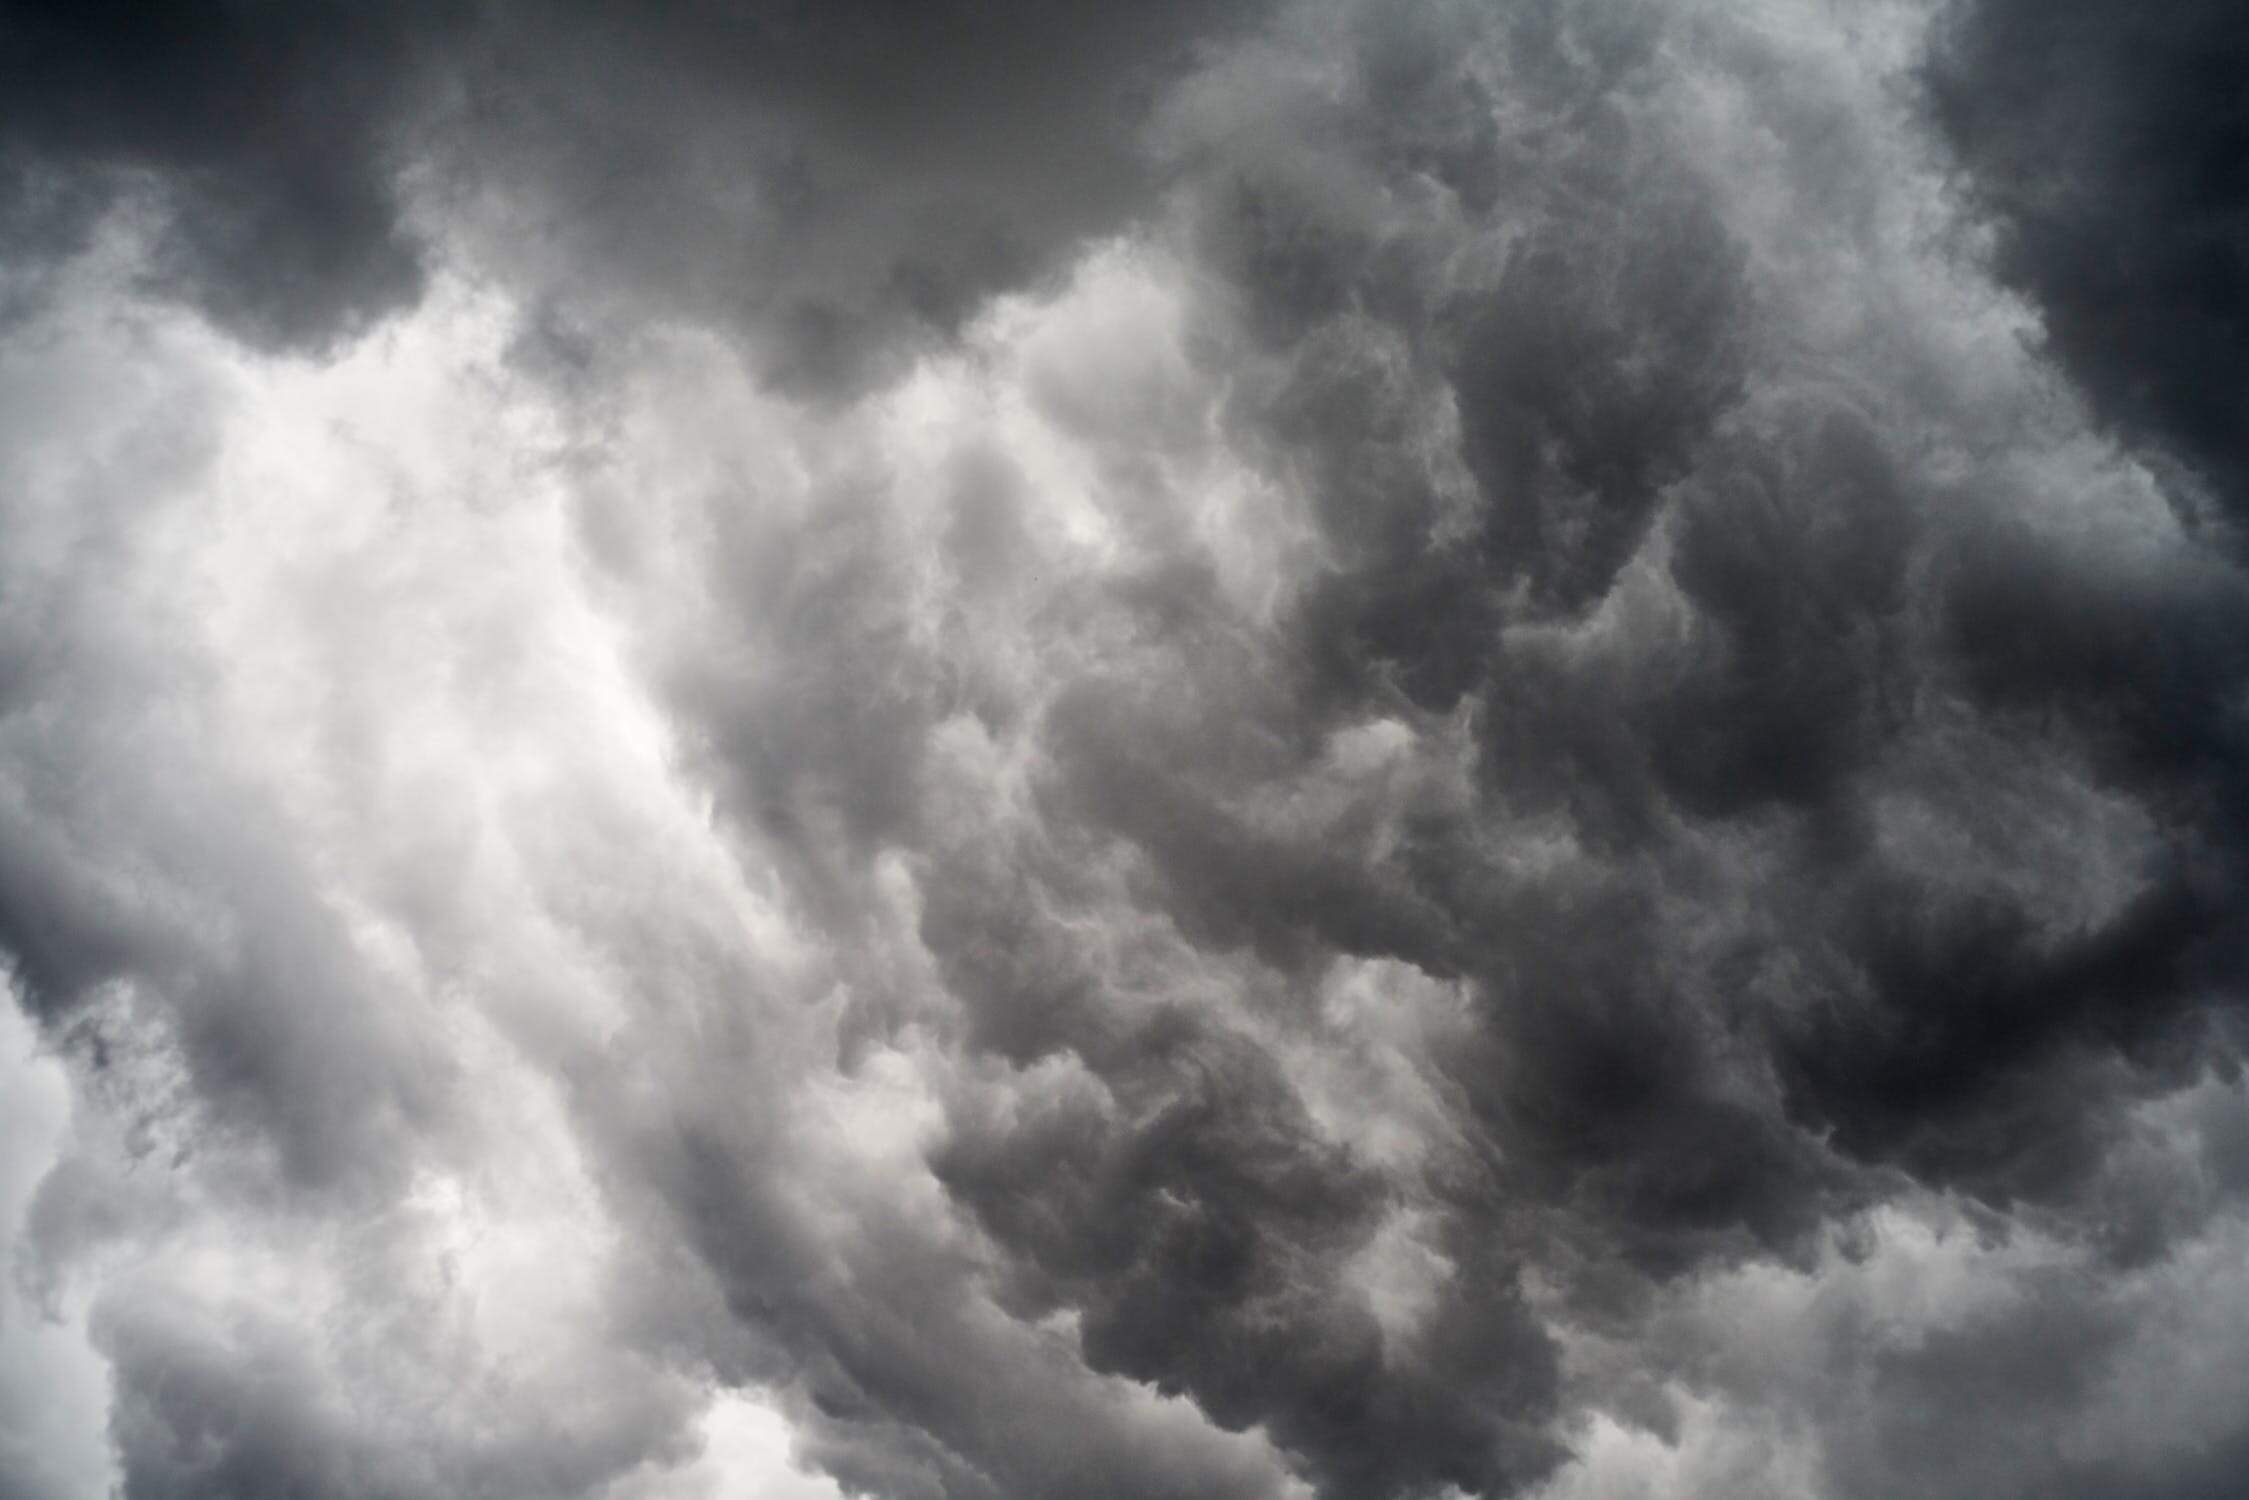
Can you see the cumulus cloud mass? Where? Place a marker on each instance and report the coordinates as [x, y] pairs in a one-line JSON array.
[[1000, 749]]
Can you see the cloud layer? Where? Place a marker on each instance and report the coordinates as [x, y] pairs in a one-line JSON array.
[[1314, 749]]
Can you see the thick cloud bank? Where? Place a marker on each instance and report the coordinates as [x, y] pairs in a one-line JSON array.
[[1314, 749]]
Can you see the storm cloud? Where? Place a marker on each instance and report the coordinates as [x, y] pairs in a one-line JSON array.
[[1293, 749]]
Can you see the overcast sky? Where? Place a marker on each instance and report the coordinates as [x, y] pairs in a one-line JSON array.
[[1139, 750]]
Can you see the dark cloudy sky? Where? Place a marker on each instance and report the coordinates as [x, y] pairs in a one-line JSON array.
[[1177, 750]]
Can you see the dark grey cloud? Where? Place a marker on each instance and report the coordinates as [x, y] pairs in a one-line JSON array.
[[840, 178], [2107, 146], [269, 138], [1738, 1010], [1357, 749]]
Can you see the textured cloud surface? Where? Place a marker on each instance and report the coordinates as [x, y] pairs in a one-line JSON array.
[[947, 751]]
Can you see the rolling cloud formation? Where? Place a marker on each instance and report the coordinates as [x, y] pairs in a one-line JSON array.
[[978, 751]]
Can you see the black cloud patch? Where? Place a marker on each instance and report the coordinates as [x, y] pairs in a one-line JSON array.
[[271, 136], [2109, 144]]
